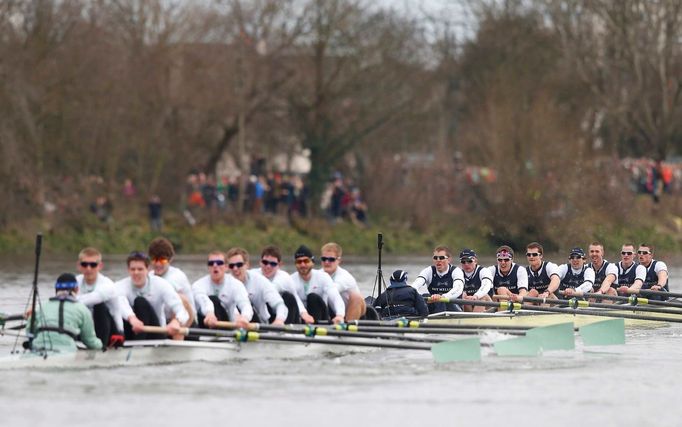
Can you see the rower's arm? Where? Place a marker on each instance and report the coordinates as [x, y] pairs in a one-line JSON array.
[[662, 278], [554, 282], [457, 284], [606, 284], [87, 327], [640, 276], [274, 300], [588, 282]]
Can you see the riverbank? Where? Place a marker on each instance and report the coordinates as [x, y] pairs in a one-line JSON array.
[[255, 233]]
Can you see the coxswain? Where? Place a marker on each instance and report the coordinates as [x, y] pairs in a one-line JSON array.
[[576, 277], [605, 272], [400, 299], [98, 293], [317, 290], [656, 278], [345, 282], [145, 298], [440, 280], [63, 320], [543, 276], [221, 297], [631, 275], [161, 253], [270, 268], [509, 278], [268, 305]]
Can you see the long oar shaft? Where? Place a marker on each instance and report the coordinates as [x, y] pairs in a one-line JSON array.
[[646, 292], [10, 317], [505, 305], [586, 304], [634, 300], [418, 324]]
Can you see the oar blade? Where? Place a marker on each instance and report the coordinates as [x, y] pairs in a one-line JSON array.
[[606, 332], [518, 347], [468, 349], [554, 337]]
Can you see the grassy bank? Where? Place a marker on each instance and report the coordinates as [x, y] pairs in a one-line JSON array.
[[253, 234]]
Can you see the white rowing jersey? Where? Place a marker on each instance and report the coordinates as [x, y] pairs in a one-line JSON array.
[[231, 293], [262, 294], [180, 282], [283, 283], [345, 283], [320, 283], [102, 291], [421, 283], [158, 292]]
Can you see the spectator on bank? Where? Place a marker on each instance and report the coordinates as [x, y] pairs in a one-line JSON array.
[[129, 190], [155, 218], [358, 208]]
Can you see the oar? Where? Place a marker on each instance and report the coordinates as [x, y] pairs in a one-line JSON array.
[[655, 293], [506, 305], [578, 303], [553, 337], [606, 332], [633, 300], [447, 351], [404, 323], [9, 317]]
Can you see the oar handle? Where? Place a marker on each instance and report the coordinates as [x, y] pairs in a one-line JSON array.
[[162, 330], [232, 325]]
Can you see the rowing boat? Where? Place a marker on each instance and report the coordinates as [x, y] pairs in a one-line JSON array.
[[532, 319], [153, 352]]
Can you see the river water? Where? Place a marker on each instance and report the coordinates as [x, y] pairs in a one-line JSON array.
[[634, 384]]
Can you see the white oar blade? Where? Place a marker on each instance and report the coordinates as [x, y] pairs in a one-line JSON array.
[[554, 337], [468, 349], [518, 347], [606, 332]]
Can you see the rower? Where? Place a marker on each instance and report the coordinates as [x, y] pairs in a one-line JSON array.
[[509, 278], [631, 275], [316, 288], [576, 277], [656, 278], [345, 282], [440, 280], [64, 319], [144, 299], [221, 297], [400, 299], [543, 277], [605, 273], [161, 253], [268, 305], [478, 281], [98, 293], [270, 263]]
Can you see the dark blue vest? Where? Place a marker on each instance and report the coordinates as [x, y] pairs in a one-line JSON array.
[[600, 276], [441, 284], [572, 280], [626, 277], [510, 281], [538, 280], [473, 284], [651, 278]]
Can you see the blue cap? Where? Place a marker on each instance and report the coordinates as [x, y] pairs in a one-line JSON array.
[[66, 282], [467, 254], [399, 276], [577, 252]]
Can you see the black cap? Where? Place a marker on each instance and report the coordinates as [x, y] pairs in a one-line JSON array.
[[577, 252], [399, 276], [467, 254], [303, 251]]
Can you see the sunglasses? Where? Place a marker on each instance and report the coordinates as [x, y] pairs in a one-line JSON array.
[[86, 264], [440, 257], [532, 254], [626, 253], [270, 263], [643, 252], [304, 261], [575, 257], [212, 262], [161, 260], [466, 261], [235, 264], [503, 259], [328, 258]]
